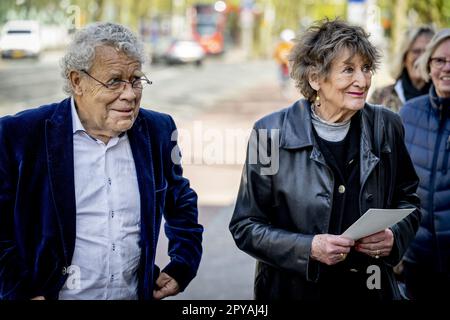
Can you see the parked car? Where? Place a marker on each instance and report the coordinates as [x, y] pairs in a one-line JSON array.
[[185, 51], [159, 48], [20, 38]]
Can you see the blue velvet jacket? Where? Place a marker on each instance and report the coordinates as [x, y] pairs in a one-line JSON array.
[[38, 211]]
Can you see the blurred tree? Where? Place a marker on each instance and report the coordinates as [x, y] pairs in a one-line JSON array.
[[401, 15], [432, 11], [98, 13], [5, 6], [294, 14]]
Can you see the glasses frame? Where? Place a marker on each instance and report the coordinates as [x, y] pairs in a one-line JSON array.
[[433, 64], [144, 78]]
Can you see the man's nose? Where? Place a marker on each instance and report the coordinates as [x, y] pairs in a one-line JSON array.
[[128, 92]]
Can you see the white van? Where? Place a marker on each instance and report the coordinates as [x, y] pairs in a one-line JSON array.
[[20, 38]]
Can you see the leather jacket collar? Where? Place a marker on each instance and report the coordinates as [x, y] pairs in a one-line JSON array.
[[297, 128]]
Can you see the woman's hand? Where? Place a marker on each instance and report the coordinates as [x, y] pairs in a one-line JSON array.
[[330, 249], [376, 245]]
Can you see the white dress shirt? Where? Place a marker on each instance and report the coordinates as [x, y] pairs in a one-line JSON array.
[[107, 252]]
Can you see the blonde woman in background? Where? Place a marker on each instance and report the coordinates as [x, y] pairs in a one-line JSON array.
[[427, 136], [409, 83]]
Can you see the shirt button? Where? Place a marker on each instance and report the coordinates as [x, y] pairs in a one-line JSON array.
[[112, 213], [341, 189]]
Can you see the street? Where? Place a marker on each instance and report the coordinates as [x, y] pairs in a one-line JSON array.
[[182, 91]]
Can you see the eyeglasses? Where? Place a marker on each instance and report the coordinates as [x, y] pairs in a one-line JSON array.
[[119, 84], [438, 62]]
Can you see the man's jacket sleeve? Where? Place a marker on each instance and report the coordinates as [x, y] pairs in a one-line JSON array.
[[14, 277], [181, 215]]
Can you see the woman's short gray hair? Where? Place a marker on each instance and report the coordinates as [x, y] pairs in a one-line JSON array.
[[423, 63], [321, 44], [81, 52], [410, 37]]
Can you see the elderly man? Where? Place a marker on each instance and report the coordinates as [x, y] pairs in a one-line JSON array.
[[84, 183]]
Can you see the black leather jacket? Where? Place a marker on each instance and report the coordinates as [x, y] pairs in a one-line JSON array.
[[277, 215]]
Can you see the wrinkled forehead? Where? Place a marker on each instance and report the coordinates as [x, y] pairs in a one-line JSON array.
[[350, 55], [109, 58]]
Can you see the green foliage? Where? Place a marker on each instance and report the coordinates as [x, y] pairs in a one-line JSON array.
[[433, 11], [293, 14]]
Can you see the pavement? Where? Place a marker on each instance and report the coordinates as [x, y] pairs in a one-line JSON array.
[[225, 272]]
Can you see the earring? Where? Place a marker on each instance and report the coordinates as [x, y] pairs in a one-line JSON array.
[[317, 102]]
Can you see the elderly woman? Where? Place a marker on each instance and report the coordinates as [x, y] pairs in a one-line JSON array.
[[427, 127], [84, 184], [409, 82], [337, 157]]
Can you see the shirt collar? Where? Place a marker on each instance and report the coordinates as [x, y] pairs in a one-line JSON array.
[[76, 122]]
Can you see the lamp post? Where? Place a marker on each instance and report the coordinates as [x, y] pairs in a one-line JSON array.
[[247, 21], [178, 18]]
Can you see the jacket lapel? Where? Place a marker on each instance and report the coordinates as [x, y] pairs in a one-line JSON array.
[[368, 159], [142, 153], [59, 144], [297, 128], [297, 131], [140, 144]]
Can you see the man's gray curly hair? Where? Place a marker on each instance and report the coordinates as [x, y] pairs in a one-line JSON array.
[[81, 51]]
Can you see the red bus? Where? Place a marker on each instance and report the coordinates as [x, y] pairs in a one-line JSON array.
[[208, 26]]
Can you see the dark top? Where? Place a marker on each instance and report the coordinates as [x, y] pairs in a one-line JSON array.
[[343, 159], [409, 90], [347, 278]]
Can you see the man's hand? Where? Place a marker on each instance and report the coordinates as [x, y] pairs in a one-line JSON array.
[[167, 285], [330, 249], [376, 245], [38, 298]]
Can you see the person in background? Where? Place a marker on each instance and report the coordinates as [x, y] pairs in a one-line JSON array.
[[427, 127], [280, 55], [337, 157], [84, 184], [408, 81]]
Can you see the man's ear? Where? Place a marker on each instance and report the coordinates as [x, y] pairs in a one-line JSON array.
[[75, 82], [313, 80]]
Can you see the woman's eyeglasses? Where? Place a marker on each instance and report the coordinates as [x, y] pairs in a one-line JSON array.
[[438, 62]]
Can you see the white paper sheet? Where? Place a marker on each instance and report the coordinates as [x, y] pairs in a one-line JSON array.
[[375, 220]]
